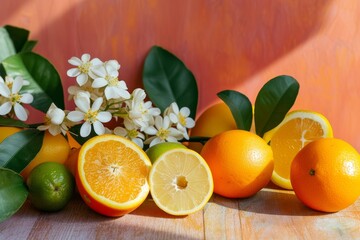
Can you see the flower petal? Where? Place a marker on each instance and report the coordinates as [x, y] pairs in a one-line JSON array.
[[27, 98], [73, 72], [75, 61], [190, 123], [99, 82], [185, 111], [85, 57], [99, 128], [85, 129], [104, 117], [20, 112], [4, 90], [97, 104], [82, 79], [5, 108], [83, 103], [76, 116]]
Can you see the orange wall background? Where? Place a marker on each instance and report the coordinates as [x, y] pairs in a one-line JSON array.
[[227, 44]]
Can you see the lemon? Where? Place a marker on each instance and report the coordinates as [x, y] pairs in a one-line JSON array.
[[296, 130], [155, 151], [51, 186], [215, 119], [180, 182], [53, 149]]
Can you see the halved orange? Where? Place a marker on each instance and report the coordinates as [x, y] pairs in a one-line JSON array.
[[112, 175], [180, 182], [298, 128]]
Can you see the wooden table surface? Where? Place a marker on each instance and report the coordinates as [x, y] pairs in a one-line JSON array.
[[270, 214]]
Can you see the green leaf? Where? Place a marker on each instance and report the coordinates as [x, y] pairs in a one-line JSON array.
[[45, 83], [75, 133], [166, 80], [12, 122], [273, 101], [28, 46], [19, 36], [19, 149], [13, 193], [240, 107], [7, 47]]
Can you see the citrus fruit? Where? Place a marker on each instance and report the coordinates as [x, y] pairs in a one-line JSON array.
[[155, 151], [215, 119], [51, 186], [53, 149], [325, 175], [7, 131], [180, 182], [241, 163], [296, 130], [71, 161], [112, 175]]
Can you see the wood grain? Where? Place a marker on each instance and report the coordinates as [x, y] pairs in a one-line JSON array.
[[270, 214]]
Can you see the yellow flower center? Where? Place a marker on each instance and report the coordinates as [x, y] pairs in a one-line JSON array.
[[112, 81], [182, 120], [15, 98], [85, 67], [132, 133], [90, 116], [163, 133]]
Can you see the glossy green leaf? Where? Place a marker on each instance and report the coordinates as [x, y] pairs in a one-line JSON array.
[[28, 46], [240, 107], [273, 101], [75, 133], [12, 122], [19, 149], [166, 80], [45, 83], [19, 36], [7, 47], [13, 193]]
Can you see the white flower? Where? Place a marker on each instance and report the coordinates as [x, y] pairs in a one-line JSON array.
[[83, 68], [163, 132], [91, 116], [108, 78], [54, 121], [142, 113], [13, 99], [131, 132], [181, 118]]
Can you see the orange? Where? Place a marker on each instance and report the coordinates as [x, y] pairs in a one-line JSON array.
[[215, 119], [180, 181], [241, 163], [7, 131], [53, 149], [71, 161], [298, 128], [112, 174], [325, 175]]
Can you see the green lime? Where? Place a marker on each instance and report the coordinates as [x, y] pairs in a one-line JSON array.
[[51, 186], [157, 150]]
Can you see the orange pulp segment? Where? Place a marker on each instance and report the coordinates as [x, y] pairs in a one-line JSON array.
[[112, 175]]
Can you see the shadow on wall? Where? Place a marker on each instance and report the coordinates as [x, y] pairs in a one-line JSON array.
[[222, 42]]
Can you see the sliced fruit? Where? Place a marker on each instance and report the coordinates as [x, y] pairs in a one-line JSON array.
[[180, 182], [157, 150], [112, 175], [296, 130]]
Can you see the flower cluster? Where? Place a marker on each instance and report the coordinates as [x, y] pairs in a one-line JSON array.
[[100, 96]]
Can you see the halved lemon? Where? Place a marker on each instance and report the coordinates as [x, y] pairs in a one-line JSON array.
[[298, 128], [112, 174], [180, 182]]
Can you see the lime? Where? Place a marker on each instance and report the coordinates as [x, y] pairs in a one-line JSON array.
[[51, 186], [157, 150]]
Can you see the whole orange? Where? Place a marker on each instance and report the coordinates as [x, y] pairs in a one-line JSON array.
[[325, 175], [215, 119], [241, 163]]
